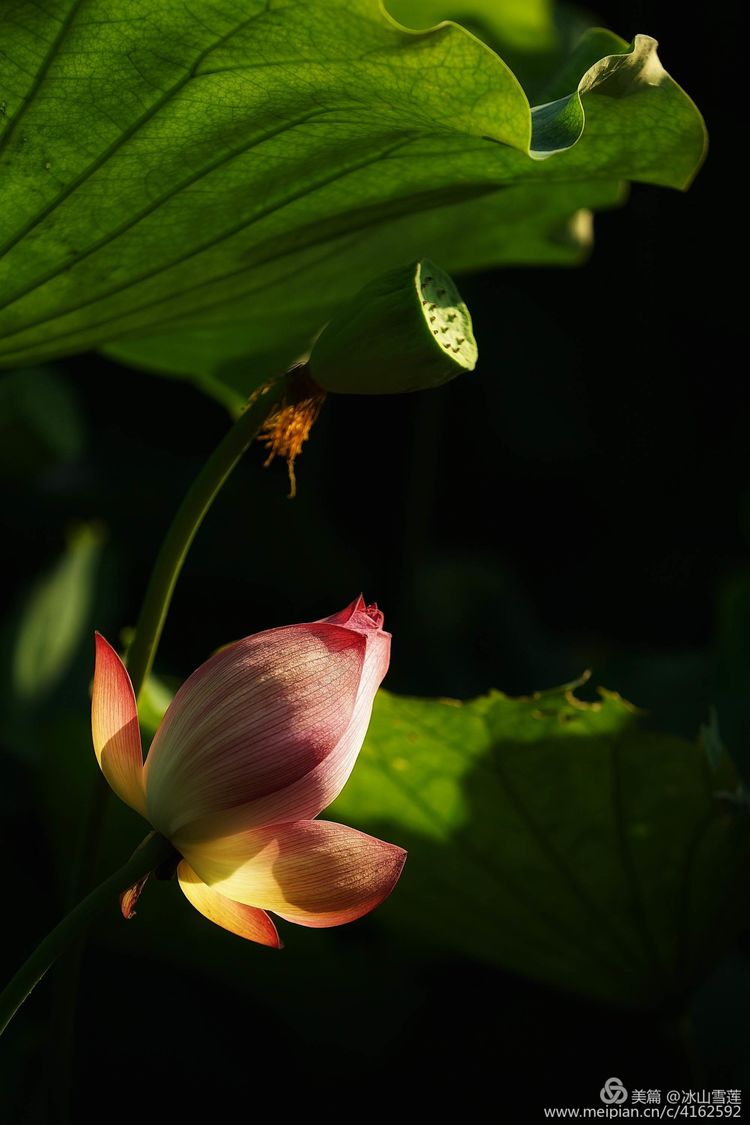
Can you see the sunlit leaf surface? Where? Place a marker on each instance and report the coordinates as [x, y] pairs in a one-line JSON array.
[[556, 838]]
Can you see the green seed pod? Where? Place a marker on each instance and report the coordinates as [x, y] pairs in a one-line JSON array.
[[405, 331]]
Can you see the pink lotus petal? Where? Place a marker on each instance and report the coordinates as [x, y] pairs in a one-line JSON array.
[[245, 921], [114, 727], [312, 872], [266, 730], [358, 615], [312, 792]]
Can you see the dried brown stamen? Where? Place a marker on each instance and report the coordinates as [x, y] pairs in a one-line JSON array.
[[287, 427]]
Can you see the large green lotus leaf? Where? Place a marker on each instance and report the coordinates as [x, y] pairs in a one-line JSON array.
[[556, 838], [201, 186], [551, 836]]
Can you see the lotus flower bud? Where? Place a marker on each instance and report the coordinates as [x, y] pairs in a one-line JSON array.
[[405, 331], [255, 744]]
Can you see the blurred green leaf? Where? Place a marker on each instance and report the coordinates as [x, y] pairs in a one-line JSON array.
[[511, 27], [39, 420], [56, 617], [205, 191], [732, 688], [712, 740], [153, 701], [521, 23], [533, 36], [556, 838]]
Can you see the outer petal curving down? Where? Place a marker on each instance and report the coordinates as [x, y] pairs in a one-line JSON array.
[[114, 727], [313, 872], [245, 921]]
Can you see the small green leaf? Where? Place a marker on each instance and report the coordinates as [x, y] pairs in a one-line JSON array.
[[207, 188], [556, 838], [56, 617]]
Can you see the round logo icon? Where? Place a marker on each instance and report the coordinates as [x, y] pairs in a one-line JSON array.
[[613, 1092]]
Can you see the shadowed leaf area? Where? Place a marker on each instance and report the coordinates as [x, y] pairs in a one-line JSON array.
[[198, 188], [556, 838]]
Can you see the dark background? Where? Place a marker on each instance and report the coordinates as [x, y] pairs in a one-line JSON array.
[[580, 501]]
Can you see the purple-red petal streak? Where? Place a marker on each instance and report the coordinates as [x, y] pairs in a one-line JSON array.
[[247, 736]]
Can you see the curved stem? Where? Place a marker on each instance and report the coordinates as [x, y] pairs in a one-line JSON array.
[[185, 524], [161, 585], [153, 851], [166, 571]]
